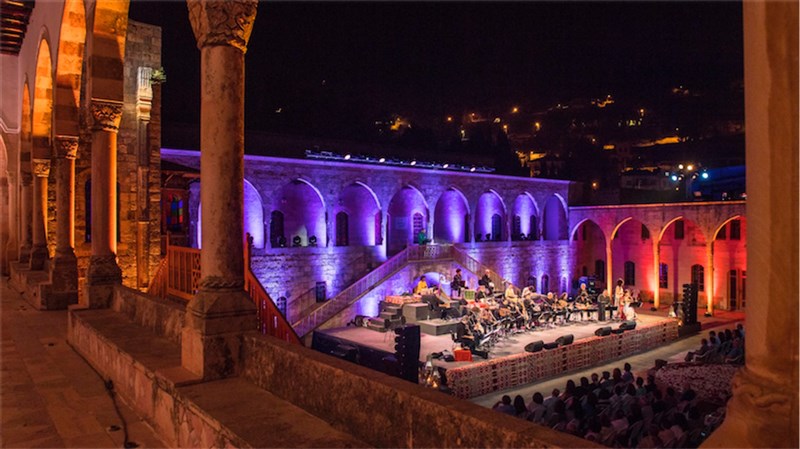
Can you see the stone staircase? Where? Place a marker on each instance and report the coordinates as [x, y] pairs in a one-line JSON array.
[[390, 317]]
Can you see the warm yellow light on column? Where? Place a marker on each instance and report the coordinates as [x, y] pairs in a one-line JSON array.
[[656, 273], [710, 277]]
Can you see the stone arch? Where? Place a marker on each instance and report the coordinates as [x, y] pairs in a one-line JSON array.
[[632, 242], [42, 117], [490, 210], [107, 59], [26, 130], [69, 68], [406, 208], [681, 244], [451, 217], [304, 212], [729, 259], [554, 219], [362, 209], [525, 218], [253, 215], [589, 242]]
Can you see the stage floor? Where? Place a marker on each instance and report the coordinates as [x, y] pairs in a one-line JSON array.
[[514, 344]]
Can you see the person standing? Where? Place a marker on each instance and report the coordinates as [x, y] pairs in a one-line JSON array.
[[457, 284]]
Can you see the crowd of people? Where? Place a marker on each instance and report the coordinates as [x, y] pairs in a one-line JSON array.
[[617, 409], [727, 346]]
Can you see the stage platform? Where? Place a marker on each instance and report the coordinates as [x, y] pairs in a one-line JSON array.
[[509, 365]]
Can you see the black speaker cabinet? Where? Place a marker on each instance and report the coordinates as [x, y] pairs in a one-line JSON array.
[[536, 346], [565, 339], [628, 325]]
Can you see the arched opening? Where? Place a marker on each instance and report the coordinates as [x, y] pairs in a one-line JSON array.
[[277, 235], [72, 40], [682, 245], [357, 227], [525, 222], [408, 214], [545, 284], [554, 225], [490, 218], [632, 257], [253, 215], [303, 210], [730, 263], [451, 217], [590, 248]]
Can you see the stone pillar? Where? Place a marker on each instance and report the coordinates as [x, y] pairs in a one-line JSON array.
[[609, 267], [26, 210], [709, 280], [656, 272], [220, 312], [64, 272], [39, 251], [103, 271], [763, 411], [12, 246]]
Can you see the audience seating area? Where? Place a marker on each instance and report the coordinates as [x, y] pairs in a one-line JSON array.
[[620, 410]]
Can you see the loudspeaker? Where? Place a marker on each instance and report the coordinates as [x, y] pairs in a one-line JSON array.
[[536, 346], [628, 325], [565, 340], [603, 331], [552, 345]]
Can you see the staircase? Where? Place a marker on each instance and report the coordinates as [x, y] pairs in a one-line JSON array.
[[390, 318], [358, 289]]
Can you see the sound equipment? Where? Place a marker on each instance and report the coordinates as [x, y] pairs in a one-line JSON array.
[[628, 325], [601, 312], [565, 340], [536, 346], [552, 345], [406, 351], [346, 352], [603, 331]]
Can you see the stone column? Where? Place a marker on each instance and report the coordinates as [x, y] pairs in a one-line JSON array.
[[64, 272], [39, 251], [609, 267], [12, 246], [26, 210], [709, 278], [656, 272], [103, 270], [763, 411], [220, 312]]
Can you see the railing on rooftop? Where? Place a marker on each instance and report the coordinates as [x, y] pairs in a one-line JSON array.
[[178, 276], [362, 286]]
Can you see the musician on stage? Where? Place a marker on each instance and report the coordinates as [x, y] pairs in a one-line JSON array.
[[457, 284], [582, 301], [465, 336], [603, 301], [619, 292]]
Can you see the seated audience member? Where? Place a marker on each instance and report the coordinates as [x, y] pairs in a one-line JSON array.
[[651, 384], [593, 434], [421, 287], [679, 425], [640, 389], [520, 409], [605, 381], [649, 439], [558, 415], [735, 354], [504, 406], [703, 350], [616, 376], [665, 434], [620, 422], [627, 375], [537, 408], [550, 401], [712, 338], [595, 381], [606, 429], [671, 398], [740, 330]]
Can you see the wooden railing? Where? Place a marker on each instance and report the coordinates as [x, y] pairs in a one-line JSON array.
[[178, 275], [475, 266], [362, 286]]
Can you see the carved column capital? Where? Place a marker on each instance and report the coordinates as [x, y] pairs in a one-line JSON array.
[[67, 147], [106, 114], [218, 22], [41, 167]]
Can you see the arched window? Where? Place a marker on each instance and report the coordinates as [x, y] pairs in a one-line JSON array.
[[663, 276], [515, 233], [698, 278], [342, 233], [545, 283], [276, 237], [534, 235], [497, 227], [600, 270], [736, 229], [630, 273], [532, 281]]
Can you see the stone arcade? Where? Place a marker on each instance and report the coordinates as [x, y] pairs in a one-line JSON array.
[[80, 163]]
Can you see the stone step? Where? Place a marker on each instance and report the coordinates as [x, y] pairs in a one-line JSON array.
[[378, 324], [386, 315]]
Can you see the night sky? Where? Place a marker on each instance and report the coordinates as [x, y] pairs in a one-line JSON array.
[[362, 61]]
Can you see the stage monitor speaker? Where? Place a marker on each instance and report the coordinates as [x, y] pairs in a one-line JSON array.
[[565, 340], [536, 346], [617, 331], [552, 345], [628, 325], [603, 331]]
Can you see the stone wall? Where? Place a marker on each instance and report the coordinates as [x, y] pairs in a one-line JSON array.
[[162, 317], [293, 272], [381, 410]]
